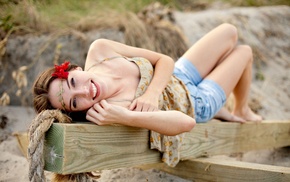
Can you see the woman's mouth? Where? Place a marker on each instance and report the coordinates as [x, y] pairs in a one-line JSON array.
[[95, 90]]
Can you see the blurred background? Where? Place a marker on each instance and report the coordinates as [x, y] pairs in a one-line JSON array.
[[43, 16], [36, 34]]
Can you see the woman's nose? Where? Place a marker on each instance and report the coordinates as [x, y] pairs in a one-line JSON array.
[[82, 91]]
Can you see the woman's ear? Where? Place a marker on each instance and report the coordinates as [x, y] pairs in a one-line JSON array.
[[79, 68]]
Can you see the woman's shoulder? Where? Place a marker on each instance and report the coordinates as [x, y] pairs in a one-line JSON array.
[[103, 43], [99, 50], [99, 42]]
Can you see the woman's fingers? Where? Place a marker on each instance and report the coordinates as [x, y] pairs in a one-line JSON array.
[[133, 105], [97, 112], [94, 116], [102, 107], [104, 113], [92, 119], [142, 106], [152, 109], [104, 104]]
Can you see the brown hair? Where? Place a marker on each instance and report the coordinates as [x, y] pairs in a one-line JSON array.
[[40, 89]]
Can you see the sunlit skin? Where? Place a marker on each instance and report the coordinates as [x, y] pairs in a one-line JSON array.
[[117, 80]]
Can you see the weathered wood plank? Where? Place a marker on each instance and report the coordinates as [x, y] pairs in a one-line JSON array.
[[54, 148], [87, 147], [214, 169], [216, 138]]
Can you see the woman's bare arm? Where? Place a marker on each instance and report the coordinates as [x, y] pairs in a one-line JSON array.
[[163, 122]]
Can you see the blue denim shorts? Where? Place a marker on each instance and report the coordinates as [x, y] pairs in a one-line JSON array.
[[207, 95]]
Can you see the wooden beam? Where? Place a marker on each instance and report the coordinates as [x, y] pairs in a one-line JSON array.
[[214, 169], [215, 138], [75, 148]]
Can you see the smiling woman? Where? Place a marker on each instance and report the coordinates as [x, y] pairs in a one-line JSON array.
[[113, 70], [131, 86]]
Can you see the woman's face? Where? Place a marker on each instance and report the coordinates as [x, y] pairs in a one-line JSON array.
[[78, 92]]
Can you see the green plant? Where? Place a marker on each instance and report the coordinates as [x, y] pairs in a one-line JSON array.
[[6, 23]]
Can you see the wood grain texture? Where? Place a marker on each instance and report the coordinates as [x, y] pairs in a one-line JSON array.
[[83, 147], [214, 169], [88, 147], [215, 138]]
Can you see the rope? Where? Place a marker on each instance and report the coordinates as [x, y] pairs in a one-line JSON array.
[[40, 124], [82, 177]]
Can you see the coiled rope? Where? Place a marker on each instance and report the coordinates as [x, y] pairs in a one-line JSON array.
[[40, 124]]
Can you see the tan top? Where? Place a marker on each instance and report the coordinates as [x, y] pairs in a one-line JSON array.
[[174, 97]]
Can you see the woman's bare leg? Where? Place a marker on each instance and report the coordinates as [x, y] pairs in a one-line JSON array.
[[242, 89], [225, 115], [234, 74], [211, 49], [217, 57]]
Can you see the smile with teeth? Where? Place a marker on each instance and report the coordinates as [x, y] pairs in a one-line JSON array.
[[94, 90]]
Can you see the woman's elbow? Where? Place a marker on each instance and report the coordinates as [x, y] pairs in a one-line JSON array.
[[189, 125]]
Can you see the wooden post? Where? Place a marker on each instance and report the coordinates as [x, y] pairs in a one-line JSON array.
[[75, 148]]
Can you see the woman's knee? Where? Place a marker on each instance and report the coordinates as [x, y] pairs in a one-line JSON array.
[[231, 31], [246, 51]]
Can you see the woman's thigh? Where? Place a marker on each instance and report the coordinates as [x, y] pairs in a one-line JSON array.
[[232, 69], [211, 49]]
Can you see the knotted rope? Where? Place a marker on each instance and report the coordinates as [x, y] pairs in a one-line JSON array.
[[40, 124]]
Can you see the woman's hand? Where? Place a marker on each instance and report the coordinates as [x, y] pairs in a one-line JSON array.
[[145, 103], [103, 113]]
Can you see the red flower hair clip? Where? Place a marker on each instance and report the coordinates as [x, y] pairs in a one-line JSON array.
[[60, 70]]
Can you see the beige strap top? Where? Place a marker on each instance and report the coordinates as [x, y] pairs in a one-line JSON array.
[[174, 97]]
